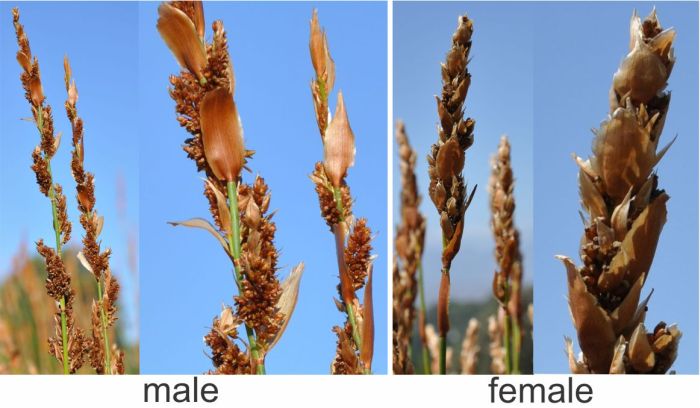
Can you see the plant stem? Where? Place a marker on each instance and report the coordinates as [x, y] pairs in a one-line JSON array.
[[507, 344], [517, 340], [355, 331], [443, 355], [235, 248], [64, 335], [103, 318], [421, 297]]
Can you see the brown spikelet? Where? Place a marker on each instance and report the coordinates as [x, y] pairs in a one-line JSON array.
[[97, 351], [326, 198], [57, 280], [260, 288], [117, 361], [496, 350], [358, 253], [469, 356], [61, 210], [626, 213], [40, 166], [221, 217], [409, 243], [324, 68], [346, 360], [226, 356], [507, 279]]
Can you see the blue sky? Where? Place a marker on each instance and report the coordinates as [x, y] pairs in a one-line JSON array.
[[186, 276], [103, 58], [576, 53], [499, 99]]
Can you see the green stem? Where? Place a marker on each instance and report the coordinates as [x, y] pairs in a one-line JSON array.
[[64, 335], [507, 343], [103, 318], [443, 355], [421, 297], [355, 330], [235, 248], [517, 340]]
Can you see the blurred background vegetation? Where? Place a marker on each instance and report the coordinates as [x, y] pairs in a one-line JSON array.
[[26, 316]]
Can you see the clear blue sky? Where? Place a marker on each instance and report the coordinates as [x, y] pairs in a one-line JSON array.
[[578, 48], [103, 56], [186, 276], [499, 99]]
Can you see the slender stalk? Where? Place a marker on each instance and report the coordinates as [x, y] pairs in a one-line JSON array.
[[507, 343], [64, 336], [235, 247], [517, 343], [443, 355], [421, 296], [103, 318]]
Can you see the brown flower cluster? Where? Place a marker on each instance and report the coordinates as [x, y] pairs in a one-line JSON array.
[[469, 356], [446, 160], [410, 238], [226, 356], [327, 198], [507, 280], [260, 289], [626, 213], [352, 239], [455, 135]]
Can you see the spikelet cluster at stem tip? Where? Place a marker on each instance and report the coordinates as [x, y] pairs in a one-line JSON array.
[[626, 212]]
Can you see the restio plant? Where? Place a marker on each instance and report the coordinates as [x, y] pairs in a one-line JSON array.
[[70, 344]]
